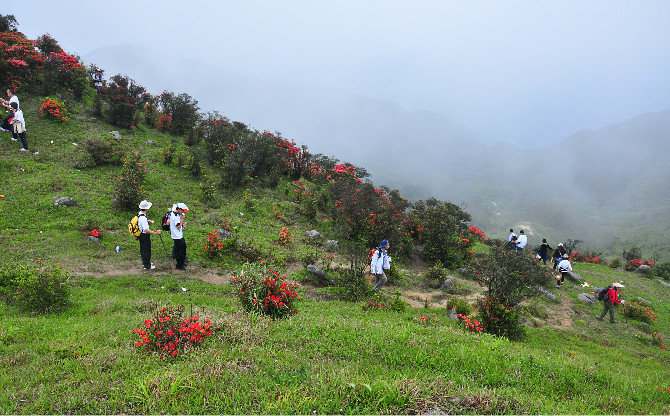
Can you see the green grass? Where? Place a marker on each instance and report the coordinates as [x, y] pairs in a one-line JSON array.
[[331, 357]]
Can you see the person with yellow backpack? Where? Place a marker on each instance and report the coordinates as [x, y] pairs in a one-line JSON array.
[[139, 227]]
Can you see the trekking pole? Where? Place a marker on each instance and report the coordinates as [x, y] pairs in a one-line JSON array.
[[165, 249]]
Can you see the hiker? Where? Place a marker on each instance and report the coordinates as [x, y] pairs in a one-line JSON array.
[[558, 255], [544, 251], [380, 261], [145, 239], [177, 233], [611, 298], [18, 126], [511, 244], [97, 81], [564, 267], [521, 241], [511, 235], [12, 99]]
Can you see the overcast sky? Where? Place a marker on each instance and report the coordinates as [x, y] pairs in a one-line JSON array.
[[527, 72]]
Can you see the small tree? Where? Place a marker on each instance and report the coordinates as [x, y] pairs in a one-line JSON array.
[[183, 111], [124, 98]]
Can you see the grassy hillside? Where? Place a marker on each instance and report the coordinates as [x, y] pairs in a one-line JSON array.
[[332, 357]]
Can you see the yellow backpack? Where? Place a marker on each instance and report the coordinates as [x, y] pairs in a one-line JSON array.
[[133, 228]]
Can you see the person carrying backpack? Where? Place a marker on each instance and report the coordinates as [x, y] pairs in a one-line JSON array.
[[565, 268], [379, 262], [558, 255], [544, 251], [610, 299], [145, 239], [177, 218]]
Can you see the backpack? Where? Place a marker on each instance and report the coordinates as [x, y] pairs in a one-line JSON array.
[[603, 292], [164, 222], [133, 228], [370, 255]]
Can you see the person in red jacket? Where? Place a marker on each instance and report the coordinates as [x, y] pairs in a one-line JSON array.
[[611, 299]]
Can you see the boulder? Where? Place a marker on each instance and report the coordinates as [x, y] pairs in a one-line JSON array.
[[317, 272], [313, 234], [664, 283], [96, 240], [115, 134], [151, 143], [643, 268], [60, 201], [448, 285], [574, 276], [645, 301], [224, 234], [452, 315], [544, 292], [587, 298], [331, 244]]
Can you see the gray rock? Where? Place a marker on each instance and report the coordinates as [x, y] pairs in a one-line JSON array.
[[313, 234], [151, 143], [575, 277], [544, 292], [96, 240], [448, 285], [224, 234], [587, 298], [331, 244], [317, 272], [435, 412], [643, 268], [115, 134], [452, 315], [664, 283], [79, 118], [645, 301], [644, 324], [60, 201]]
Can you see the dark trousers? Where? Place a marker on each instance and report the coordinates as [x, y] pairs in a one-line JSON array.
[[608, 307], [179, 252], [5, 123], [563, 274], [22, 136], [145, 250]]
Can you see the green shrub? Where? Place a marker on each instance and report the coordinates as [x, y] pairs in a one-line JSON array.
[[460, 305], [124, 98], [36, 289], [129, 183], [354, 285], [435, 275], [499, 319], [103, 152], [266, 292], [662, 270], [616, 263], [396, 304]]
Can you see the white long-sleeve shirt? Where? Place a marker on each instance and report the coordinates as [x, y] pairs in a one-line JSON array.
[[522, 241], [380, 262], [564, 266]]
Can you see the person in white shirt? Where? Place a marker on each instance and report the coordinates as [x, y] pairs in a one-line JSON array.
[[511, 235], [145, 239], [380, 261], [18, 123], [177, 218], [12, 99], [521, 241], [565, 268]]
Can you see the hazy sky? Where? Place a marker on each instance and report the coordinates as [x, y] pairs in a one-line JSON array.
[[528, 72]]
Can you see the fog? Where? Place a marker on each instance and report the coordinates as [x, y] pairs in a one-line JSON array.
[[552, 116]]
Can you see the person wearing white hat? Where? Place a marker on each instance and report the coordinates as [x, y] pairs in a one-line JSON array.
[[611, 299], [177, 233], [564, 267], [145, 239]]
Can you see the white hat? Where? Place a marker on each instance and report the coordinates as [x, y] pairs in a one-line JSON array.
[[183, 206], [618, 285], [174, 207], [565, 256], [560, 244], [145, 205]]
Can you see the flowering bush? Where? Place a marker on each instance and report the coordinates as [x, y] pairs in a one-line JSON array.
[[499, 319], [213, 246], [150, 109], [586, 257], [428, 321], [657, 340], [460, 305], [36, 288], [129, 183], [20, 63], [64, 72], [164, 122], [478, 233], [471, 325], [284, 236], [379, 302], [47, 44], [266, 292], [97, 233], [124, 98], [53, 109], [168, 334], [181, 111], [638, 312], [633, 264], [208, 189]]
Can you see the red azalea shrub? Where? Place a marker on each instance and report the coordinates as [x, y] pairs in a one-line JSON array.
[[499, 319], [168, 334], [182, 111], [213, 246], [97, 233], [586, 257], [53, 109], [633, 264], [64, 72], [429, 321], [20, 62], [284, 236], [129, 184], [638, 312], [478, 233], [124, 98], [164, 122], [471, 325], [266, 292]]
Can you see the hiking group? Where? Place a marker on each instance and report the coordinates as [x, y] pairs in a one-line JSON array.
[[561, 261], [173, 221], [14, 122]]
